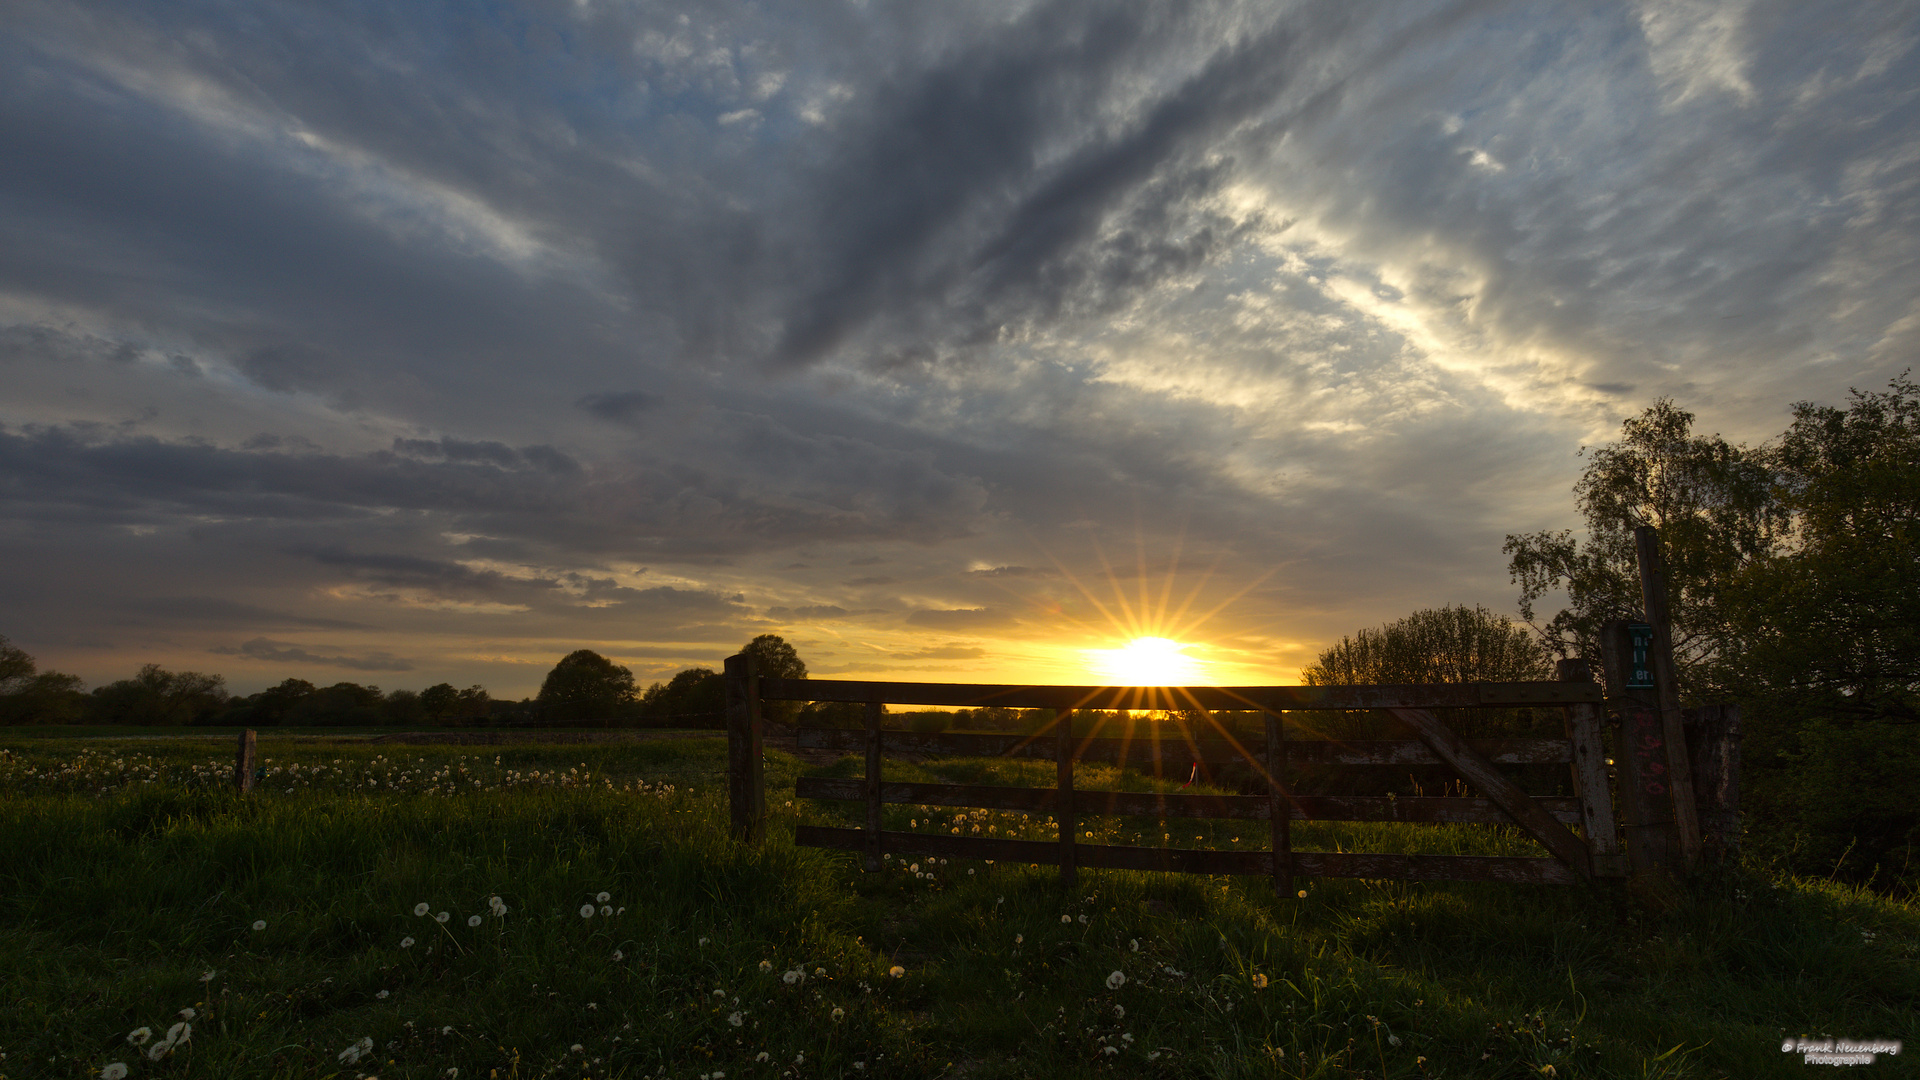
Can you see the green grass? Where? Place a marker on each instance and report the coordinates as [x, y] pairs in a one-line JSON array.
[[129, 875]]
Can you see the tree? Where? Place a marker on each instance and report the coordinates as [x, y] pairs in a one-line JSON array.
[[1435, 645], [773, 656], [439, 701], [1831, 625], [160, 697], [690, 697], [271, 706], [31, 696], [1717, 509], [15, 665], [585, 686]]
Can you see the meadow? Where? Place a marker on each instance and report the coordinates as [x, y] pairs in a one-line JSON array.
[[579, 911]]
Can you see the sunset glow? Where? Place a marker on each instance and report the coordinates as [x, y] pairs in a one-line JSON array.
[[1146, 661]]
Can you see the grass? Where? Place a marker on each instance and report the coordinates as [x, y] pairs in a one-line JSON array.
[[133, 880]]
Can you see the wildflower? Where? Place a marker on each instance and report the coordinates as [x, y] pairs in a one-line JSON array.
[[735, 1018], [761, 1056], [443, 916], [1066, 918], [1119, 1012], [897, 971], [915, 868], [1083, 920], [139, 1036], [186, 1013], [791, 977], [473, 920], [159, 1050], [352, 1054], [586, 912], [384, 995], [1109, 1049], [406, 943], [618, 956], [1303, 894], [604, 897], [859, 1066], [717, 992], [207, 976], [1393, 1040], [703, 941], [1134, 944], [766, 967], [820, 971], [499, 907], [1259, 981], [259, 924], [839, 1014], [593, 1005], [115, 1071], [577, 1049], [1116, 980], [619, 911], [420, 908], [453, 1072], [606, 911], [800, 1058], [448, 1030]]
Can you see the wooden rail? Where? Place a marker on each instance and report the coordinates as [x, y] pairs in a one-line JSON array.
[[1269, 753]]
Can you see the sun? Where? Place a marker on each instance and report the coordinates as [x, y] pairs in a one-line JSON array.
[[1146, 661]]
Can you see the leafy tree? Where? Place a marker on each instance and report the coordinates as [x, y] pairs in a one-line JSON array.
[[31, 696], [160, 697], [15, 665], [773, 656], [691, 697], [1717, 509], [1832, 624], [439, 701], [271, 706], [340, 705], [1435, 645], [586, 686]]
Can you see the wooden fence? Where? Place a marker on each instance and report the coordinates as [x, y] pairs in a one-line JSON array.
[[1593, 852]]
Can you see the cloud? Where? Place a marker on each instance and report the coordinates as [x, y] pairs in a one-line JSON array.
[[960, 619], [284, 652], [624, 407]]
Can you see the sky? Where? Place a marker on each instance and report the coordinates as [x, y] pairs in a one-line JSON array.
[[410, 343]]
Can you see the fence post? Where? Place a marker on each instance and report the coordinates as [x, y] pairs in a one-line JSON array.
[[1713, 745], [873, 712], [1279, 806], [1590, 774], [1063, 773], [746, 783], [1639, 757], [1653, 592], [243, 762]]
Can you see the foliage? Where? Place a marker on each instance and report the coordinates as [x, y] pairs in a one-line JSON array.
[[1453, 644], [696, 695], [31, 696], [156, 696], [586, 686], [773, 656], [1716, 508], [121, 906]]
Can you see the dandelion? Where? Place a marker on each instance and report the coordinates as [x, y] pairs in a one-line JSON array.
[[406, 943], [735, 1018], [1019, 939], [499, 907], [604, 897], [915, 868], [839, 1015], [384, 995], [114, 1071], [159, 1050], [420, 908], [606, 911], [139, 1036], [586, 912], [618, 956], [800, 1058], [1259, 981], [1134, 944], [791, 977], [1066, 918], [453, 1072], [352, 1054], [1116, 980], [762, 1056], [1303, 894], [448, 1030], [207, 976], [766, 967], [1109, 1050], [703, 941], [1083, 920], [186, 1013], [717, 992], [259, 924], [577, 1049], [619, 911], [443, 916], [473, 920], [897, 971], [820, 971]]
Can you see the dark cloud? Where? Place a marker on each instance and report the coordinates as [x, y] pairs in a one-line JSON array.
[[624, 407], [217, 611], [284, 652], [961, 619]]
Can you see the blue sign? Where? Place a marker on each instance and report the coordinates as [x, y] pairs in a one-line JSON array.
[[1640, 667]]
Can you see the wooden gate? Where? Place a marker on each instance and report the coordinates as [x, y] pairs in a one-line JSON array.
[[1593, 852]]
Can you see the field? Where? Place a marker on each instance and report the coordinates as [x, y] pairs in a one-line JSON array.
[[631, 938]]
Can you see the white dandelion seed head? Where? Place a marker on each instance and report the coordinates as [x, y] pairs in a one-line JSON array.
[[139, 1036], [1066, 918], [1019, 939], [1083, 920], [406, 943], [717, 992], [186, 1013], [1134, 944], [766, 967], [619, 911], [839, 1014], [618, 956], [586, 912], [761, 1056], [606, 911], [159, 1050], [1109, 1050], [915, 868], [384, 995], [604, 897], [1116, 980], [448, 1030], [259, 924], [473, 920], [1119, 1012], [114, 1071], [443, 916], [1393, 1040], [421, 909], [703, 941], [207, 976], [735, 1018], [576, 1048]]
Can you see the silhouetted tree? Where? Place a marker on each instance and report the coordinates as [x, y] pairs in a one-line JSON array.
[[586, 686]]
